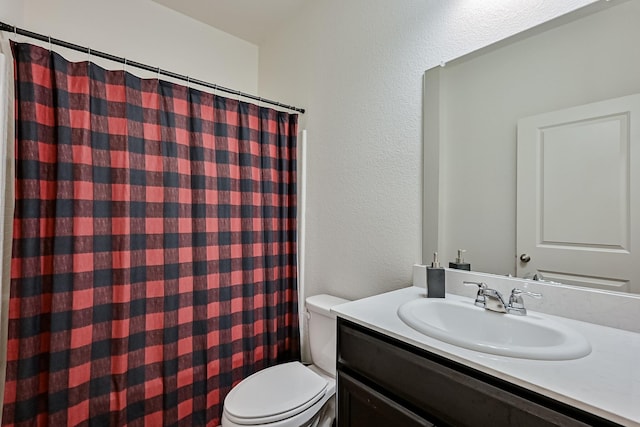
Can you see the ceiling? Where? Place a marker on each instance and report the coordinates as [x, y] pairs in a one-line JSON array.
[[251, 20]]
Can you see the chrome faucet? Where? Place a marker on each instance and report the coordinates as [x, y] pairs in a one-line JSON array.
[[480, 300], [516, 304], [491, 299]]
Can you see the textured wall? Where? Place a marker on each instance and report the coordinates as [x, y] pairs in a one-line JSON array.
[[11, 12], [357, 67]]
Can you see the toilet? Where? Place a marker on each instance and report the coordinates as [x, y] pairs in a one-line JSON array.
[[292, 394]]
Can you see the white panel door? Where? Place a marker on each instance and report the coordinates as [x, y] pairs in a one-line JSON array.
[[578, 216]]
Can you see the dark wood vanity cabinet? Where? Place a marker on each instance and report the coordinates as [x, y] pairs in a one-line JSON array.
[[382, 381]]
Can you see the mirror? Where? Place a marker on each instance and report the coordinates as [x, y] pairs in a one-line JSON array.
[[472, 106]]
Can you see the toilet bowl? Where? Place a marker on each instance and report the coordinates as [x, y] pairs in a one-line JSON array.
[[292, 394], [286, 395]]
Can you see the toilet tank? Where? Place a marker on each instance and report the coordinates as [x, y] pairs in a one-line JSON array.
[[322, 331]]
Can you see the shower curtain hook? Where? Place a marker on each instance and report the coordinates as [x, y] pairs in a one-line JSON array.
[[124, 67], [158, 73], [89, 54], [15, 34], [50, 46], [188, 82]]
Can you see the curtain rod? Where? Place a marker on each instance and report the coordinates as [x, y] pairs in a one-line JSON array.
[[158, 70]]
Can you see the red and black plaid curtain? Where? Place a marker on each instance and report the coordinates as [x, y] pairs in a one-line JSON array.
[[154, 251]]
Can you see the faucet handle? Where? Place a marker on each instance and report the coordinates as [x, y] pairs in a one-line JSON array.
[[480, 285], [516, 304], [480, 298], [515, 292]]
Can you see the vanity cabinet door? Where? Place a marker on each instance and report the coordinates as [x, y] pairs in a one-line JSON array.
[[361, 406]]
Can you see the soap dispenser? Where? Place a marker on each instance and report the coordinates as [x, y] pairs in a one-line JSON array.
[[460, 264], [435, 279]]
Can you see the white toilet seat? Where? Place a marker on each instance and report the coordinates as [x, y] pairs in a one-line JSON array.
[[281, 395]]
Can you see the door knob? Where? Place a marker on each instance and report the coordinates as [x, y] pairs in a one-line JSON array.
[[525, 258]]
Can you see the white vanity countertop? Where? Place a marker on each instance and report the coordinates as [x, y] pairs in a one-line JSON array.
[[605, 383]]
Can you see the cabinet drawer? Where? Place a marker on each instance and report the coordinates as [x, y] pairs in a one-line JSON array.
[[361, 406], [445, 394]]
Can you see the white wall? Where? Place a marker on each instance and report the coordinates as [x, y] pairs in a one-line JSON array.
[[357, 67], [143, 31], [12, 12]]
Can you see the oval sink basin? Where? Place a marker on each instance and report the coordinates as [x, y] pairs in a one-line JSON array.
[[463, 324]]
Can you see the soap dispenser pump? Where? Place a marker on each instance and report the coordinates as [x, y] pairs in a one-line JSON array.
[[460, 264], [435, 279]]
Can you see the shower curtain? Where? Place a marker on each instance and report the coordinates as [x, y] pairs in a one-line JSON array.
[[154, 248]]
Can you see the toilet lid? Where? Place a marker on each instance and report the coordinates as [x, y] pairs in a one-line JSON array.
[[278, 392]]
